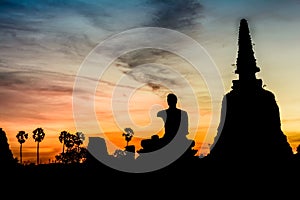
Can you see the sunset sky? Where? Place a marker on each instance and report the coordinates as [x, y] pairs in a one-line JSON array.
[[53, 50]]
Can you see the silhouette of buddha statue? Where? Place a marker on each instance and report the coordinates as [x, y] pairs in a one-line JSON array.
[[175, 120], [175, 124]]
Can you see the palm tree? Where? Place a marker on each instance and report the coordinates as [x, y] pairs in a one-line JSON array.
[[38, 136], [80, 137], [128, 135], [22, 136], [62, 138]]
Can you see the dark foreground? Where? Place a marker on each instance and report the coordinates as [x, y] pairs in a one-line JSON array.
[[192, 178], [190, 169]]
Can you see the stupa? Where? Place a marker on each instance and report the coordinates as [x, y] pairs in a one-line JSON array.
[[250, 125]]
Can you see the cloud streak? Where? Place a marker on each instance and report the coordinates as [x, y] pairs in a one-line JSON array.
[[28, 95], [176, 15]]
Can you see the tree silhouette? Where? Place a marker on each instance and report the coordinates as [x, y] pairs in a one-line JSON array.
[[118, 153], [62, 139], [80, 137], [128, 135], [38, 136], [22, 136], [74, 152]]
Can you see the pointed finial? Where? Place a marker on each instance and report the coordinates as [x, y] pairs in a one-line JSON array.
[[246, 62]]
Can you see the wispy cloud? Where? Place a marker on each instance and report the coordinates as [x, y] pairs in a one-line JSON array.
[[178, 15], [32, 94], [160, 70]]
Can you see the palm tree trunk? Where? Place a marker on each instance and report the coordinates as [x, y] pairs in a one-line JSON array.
[[21, 154], [37, 153]]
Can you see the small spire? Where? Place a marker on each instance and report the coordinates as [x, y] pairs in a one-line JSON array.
[[246, 62]]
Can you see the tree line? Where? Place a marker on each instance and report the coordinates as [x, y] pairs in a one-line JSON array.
[[72, 150]]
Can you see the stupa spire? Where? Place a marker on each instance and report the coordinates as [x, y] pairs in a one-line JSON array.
[[250, 128], [246, 62]]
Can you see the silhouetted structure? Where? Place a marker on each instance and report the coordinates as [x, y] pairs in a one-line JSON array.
[[6, 156], [96, 151], [175, 124], [250, 127], [175, 120]]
